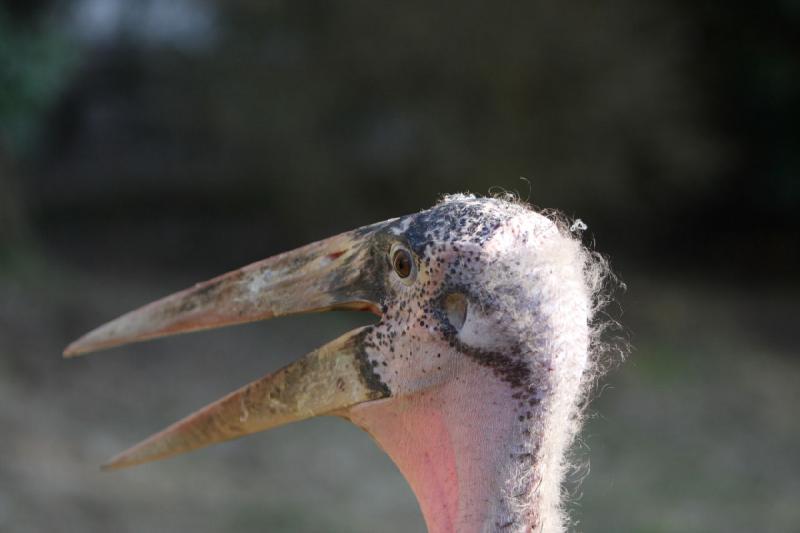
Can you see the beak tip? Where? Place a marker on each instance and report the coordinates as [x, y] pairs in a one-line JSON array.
[[74, 350], [69, 353], [108, 467], [118, 462], [90, 342]]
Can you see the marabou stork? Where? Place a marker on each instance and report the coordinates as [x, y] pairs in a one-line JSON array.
[[470, 379]]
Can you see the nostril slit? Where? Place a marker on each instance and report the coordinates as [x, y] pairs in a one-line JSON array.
[[455, 305]]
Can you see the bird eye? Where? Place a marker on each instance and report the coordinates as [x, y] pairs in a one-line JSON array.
[[402, 262]]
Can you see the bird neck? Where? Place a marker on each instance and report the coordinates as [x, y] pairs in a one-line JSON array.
[[475, 461]]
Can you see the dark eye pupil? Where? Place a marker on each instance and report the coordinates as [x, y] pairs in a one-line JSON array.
[[402, 263]]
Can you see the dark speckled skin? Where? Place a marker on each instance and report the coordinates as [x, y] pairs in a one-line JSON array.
[[525, 325], [446, 242]]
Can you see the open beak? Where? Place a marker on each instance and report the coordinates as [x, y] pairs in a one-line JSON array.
[[342, 272]]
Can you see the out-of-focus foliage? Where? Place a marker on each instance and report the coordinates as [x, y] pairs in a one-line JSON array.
[[756, 74], [36, 64], [652, 121], [36, 61], [378, 106]]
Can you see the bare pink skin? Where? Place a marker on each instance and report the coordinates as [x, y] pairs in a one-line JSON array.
[[481, 453], [452, 444]]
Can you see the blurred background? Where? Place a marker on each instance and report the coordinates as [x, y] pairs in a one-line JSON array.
[[146, 145]]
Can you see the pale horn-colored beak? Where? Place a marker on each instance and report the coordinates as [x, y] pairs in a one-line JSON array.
[[340, 272]]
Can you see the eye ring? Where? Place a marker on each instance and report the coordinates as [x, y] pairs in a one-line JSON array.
[[403, 264]]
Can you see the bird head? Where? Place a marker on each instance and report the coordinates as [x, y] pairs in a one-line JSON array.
[[469, 379]]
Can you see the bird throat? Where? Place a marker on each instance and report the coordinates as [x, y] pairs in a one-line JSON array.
[[474, 462]]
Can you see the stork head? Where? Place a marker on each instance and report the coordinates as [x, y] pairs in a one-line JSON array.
[[469, 379]]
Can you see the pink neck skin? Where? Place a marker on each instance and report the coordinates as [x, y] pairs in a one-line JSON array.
[[461, 447]]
